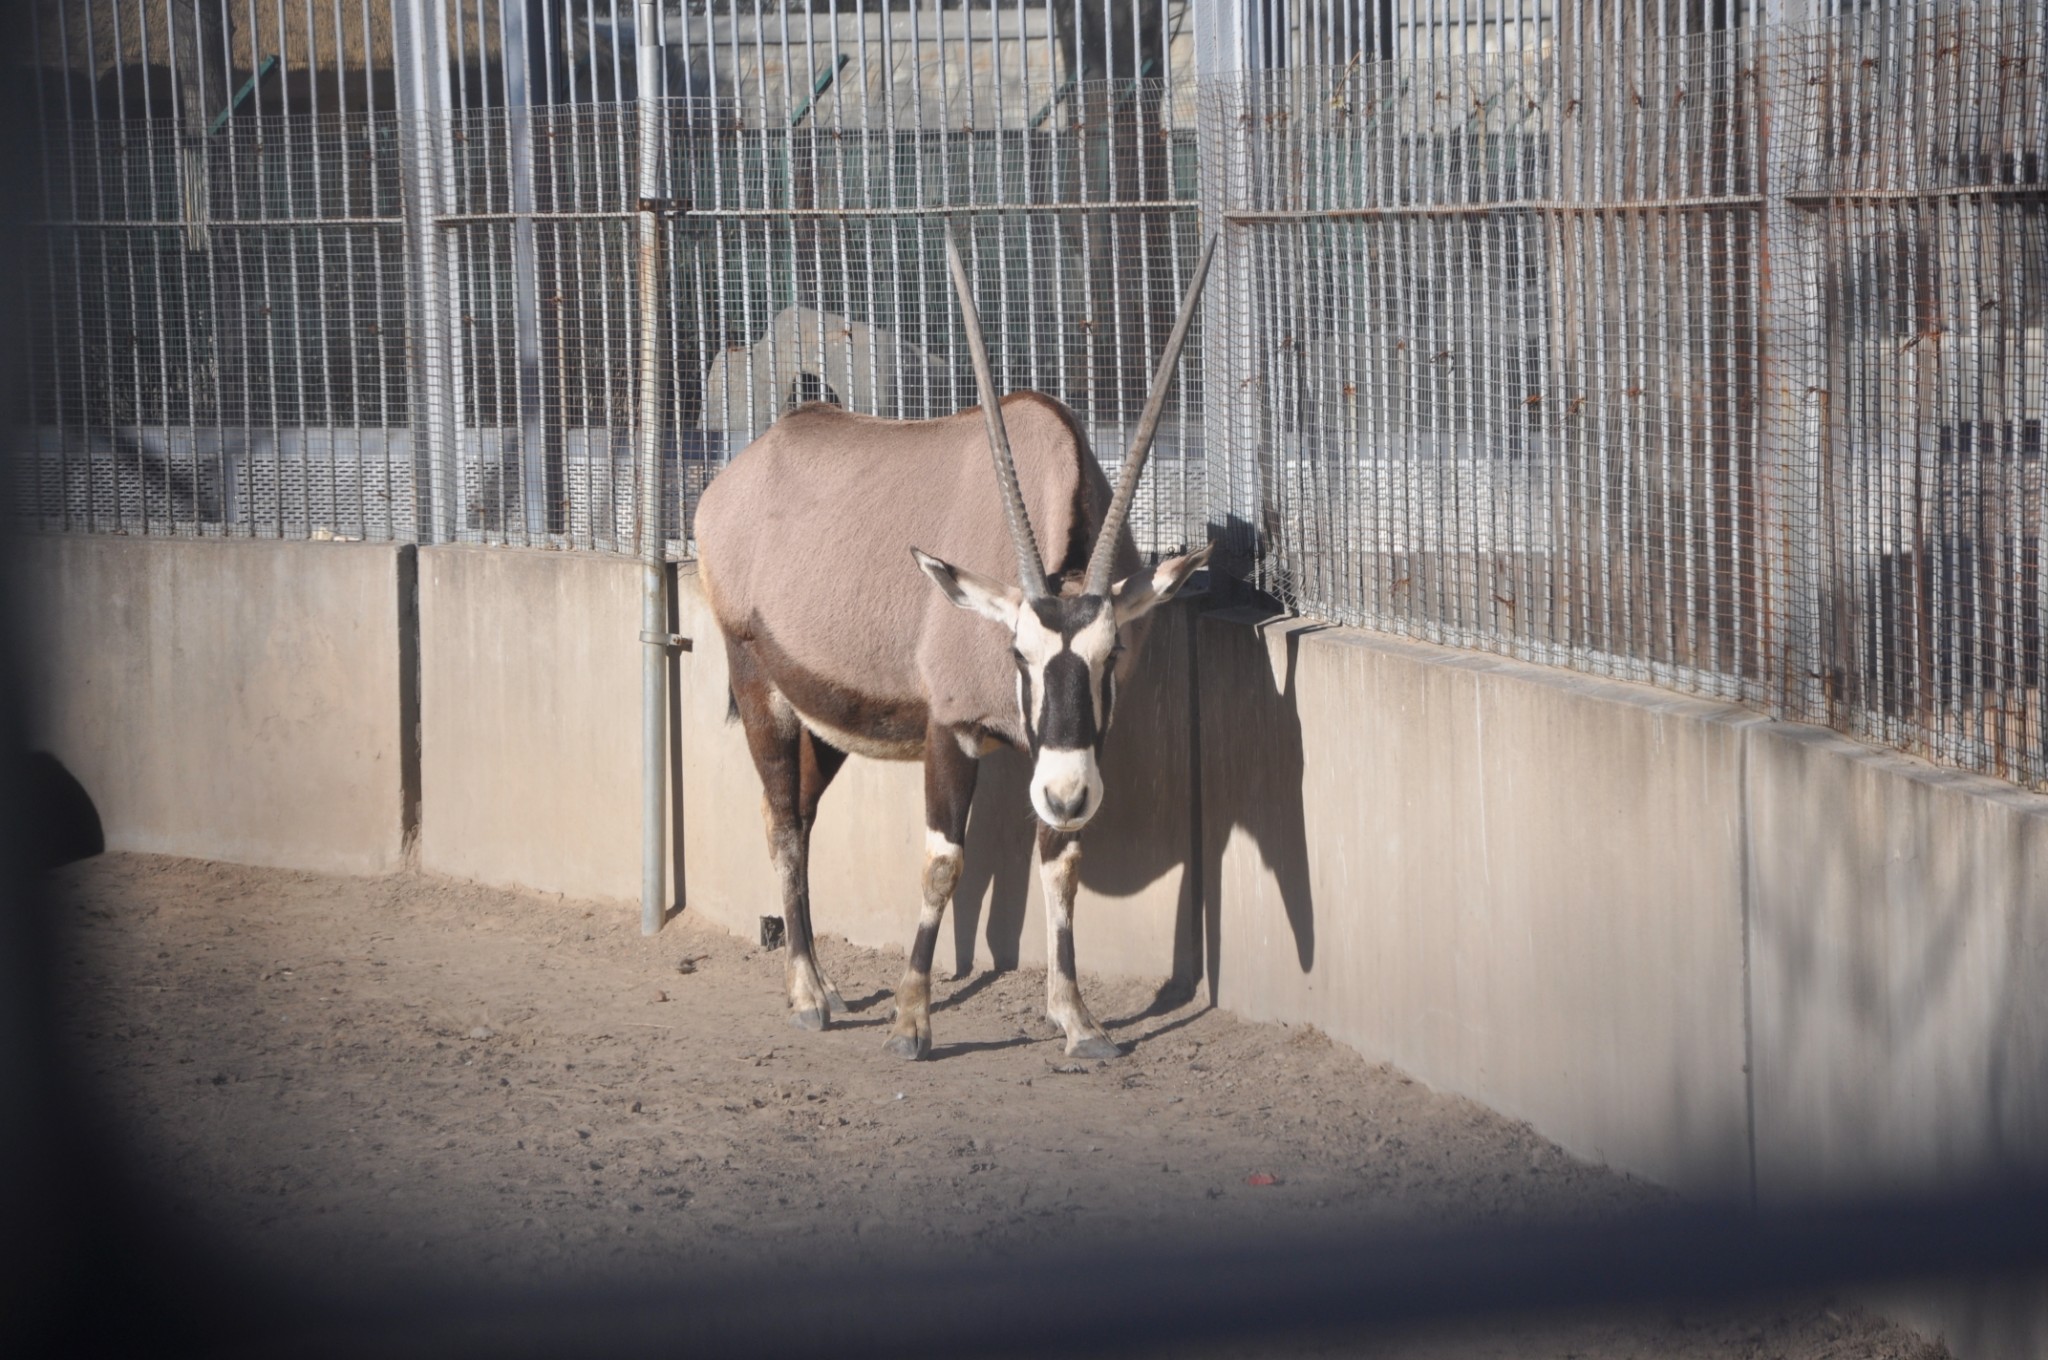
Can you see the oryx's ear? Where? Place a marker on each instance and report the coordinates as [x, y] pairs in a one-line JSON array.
[[972, 591], [1138, 594]]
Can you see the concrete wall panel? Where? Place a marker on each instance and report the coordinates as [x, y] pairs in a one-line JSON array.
[[1995, 1319], [234, 700], [1900, 960], [530, 719], [1430, 855]]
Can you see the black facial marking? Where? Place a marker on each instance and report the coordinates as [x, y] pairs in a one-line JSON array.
[[1069, 717], [1067, 614]]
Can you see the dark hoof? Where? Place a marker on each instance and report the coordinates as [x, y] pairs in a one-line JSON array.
[[836, 1004], [1094, 1046], [908, 1048], [812, 1020]]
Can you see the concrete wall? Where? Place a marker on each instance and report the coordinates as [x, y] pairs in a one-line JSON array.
[[1517, 884], [530, 719], [1899, 961], [1900, 969], [236, 700], [1674, 936]]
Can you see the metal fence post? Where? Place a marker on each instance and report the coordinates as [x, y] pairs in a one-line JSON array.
[[198, 29], [654, 635], [523, 51], [1794, 384], [1221, 50], [420, 33]]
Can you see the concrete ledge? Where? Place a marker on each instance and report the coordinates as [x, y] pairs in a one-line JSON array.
[[235, 700], [1515, 883]]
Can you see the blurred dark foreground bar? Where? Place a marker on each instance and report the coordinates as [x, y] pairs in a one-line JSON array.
[[1136, 1297]]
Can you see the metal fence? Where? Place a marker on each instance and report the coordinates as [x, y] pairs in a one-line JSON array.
[[1499, 345], [1658, 338], [392, 289], [1665, 345]]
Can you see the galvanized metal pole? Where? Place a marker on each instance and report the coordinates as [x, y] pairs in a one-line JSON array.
[[1225, 45], [520, 40], [420, 32], [198, 29], [654, 635], [1794, 388]]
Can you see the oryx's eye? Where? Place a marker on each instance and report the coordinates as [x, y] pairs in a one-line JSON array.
[[1017, 657]]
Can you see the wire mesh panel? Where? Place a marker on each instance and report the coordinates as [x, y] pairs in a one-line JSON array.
[[240, 372], [217, 314], [1305, 33], [1913, 169], [1638, 338], [829, 154], [1498, 343], [543, 274], [809, 179], [816, 260]]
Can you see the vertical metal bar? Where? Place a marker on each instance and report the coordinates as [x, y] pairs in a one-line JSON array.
[[1794, 378], [520, 53], [1222, 75], [420, 36], [654, 595]]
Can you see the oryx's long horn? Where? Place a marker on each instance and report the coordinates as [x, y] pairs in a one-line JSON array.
[[1103, 560], [1030, 566]]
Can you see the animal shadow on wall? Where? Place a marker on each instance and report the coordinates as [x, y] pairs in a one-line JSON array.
[[1239, 727], [1253, 765]]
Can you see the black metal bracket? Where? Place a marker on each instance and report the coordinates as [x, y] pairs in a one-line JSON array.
[[665, 207]]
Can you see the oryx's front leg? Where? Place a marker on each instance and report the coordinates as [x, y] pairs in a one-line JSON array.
[[949, 775], [1059, 870]]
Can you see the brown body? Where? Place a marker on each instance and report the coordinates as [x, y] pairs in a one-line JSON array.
[[810, 546], [805, 544]]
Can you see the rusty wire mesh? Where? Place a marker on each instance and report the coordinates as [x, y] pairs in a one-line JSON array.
[[1496, 328], [1917, 238], [1708, 355], [236, 370]]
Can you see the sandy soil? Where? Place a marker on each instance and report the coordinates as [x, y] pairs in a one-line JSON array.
[[378, 1079]]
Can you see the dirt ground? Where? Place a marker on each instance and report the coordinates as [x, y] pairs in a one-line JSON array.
[[383, 1079]]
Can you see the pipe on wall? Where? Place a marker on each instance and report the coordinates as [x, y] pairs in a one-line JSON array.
[[654, 635]]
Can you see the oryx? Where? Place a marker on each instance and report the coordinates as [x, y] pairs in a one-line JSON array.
[[810, 545]]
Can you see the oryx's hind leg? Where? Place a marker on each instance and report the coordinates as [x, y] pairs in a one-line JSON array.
[[949, 775], [794, 769], [1059, 870], [818, 762]]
